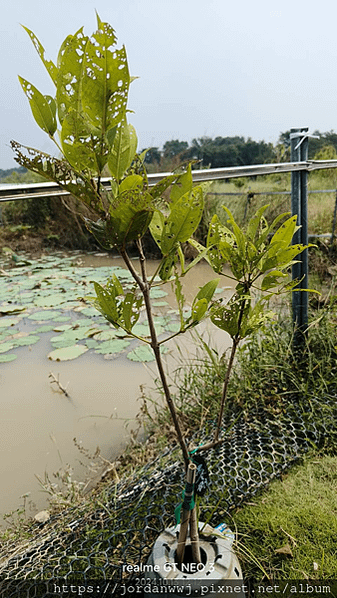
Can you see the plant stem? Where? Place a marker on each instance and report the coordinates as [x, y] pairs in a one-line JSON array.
[[185, 511], [225, 387], [145, 289], [236, 339]]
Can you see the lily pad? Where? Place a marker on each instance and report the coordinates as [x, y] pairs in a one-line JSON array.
[[26, 340], [156, 293], [46, 328], [143, 353], [52, 300], [67, 353], [62, 328], [4, 322], [114, 346], [11, 309], [6, 346], [5, 358], [45, 315], [91, 343]]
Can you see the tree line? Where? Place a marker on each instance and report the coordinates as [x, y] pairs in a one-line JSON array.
[[216, 153], [233, 151]]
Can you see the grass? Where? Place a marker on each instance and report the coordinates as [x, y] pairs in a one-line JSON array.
[[299, 510], [320, 205], [292, 528]]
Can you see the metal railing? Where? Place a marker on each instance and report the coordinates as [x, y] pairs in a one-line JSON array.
[[299, 168], [44, 190]]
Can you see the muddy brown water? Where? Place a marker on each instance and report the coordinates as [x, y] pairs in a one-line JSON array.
[[38, 423]]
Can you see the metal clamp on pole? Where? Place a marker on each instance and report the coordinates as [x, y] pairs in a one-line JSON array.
[[299, 206]]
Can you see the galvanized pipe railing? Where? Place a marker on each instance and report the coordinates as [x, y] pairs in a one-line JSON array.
[[299, 167], [44, 190]]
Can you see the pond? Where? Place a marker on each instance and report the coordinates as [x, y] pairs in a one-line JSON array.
[[48, 331]]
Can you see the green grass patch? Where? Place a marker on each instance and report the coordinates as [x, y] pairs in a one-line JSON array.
[[291, 529]]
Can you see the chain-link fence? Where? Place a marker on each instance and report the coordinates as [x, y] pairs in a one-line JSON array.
[[81, 544]]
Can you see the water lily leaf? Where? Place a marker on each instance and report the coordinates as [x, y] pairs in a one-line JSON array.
[[91, 343], [51, 300], [141, 329], [156, 293], [6, 346], [67, 353], [159, 303], [26, 340], [114, 346], [45, 315], [106, 335], [61, 328], [11, 309], [7, 357], [46, 328], [173, 326], [89, 311], [143, 353], [87, 322], [6, 322]]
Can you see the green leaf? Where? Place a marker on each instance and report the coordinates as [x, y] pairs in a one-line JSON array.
[[157, 226], [105, 87], [6, 346], [133, 181], [183, 185], [44, 315], [61, 173], [255, 223], [123, 150], [70, 74], [207, 291], [285, 232], [40, 107], [67, 353], [50, 66], [106, 302], [131, 310], [130, 216], [158, 189], [199, 308], [143, 354], [272, 279], [113, 346], [79, 144], [183, 220], [7, 357], [239, 234]]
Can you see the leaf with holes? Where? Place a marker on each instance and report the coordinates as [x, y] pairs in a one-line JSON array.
[[50, 66], [105, 86], [41, 107], [70, 74]]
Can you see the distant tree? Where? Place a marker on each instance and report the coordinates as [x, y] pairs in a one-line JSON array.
[[174, 148], [153, 155]]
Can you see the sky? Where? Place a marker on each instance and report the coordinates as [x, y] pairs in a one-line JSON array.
[[206, 68]]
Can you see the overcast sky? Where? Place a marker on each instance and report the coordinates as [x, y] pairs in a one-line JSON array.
[[205, 67]]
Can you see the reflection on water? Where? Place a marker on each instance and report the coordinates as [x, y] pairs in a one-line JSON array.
[[39, 423]]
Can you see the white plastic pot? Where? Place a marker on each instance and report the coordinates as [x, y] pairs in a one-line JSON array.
[[219, 568]]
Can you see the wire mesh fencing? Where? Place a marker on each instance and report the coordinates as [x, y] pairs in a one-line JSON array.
[[83, 545]]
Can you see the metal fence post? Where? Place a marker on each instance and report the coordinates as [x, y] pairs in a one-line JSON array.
[[299, 206]]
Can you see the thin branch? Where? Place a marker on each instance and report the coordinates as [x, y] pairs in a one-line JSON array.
[[145, 289], [58, 383]]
